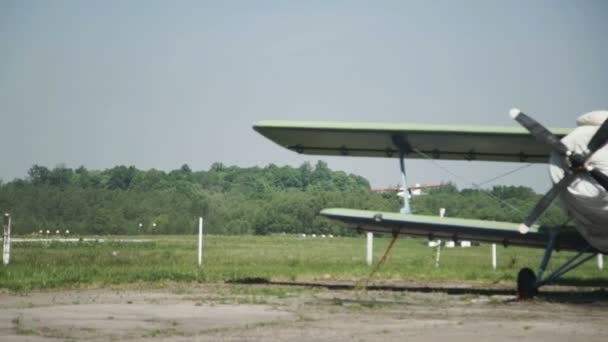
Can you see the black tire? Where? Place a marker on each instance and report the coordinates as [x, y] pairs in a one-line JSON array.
[[526, 284]]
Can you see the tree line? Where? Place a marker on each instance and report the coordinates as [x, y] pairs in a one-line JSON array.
[[233, 200]]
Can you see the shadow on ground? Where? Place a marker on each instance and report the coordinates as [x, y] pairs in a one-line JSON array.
[[570, 291]]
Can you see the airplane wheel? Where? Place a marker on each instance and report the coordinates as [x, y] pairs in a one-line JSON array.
[[526, 284]]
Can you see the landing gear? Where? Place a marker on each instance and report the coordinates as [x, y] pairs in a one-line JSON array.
[[526, 284]]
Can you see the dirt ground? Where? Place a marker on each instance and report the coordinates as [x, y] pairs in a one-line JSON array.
[[304, 312]]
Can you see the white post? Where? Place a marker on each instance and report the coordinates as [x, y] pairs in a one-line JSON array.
[[200, 241], [600, 261], [438, 254], [494, 256], [7, 239], [370, 247]]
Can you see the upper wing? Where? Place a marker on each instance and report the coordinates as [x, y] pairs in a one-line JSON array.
[[455, 229], [379, 140]]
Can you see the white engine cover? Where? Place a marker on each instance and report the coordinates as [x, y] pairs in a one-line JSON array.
[[585, 200]]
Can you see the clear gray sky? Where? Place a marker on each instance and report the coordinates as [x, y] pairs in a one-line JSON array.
[[156, 84]]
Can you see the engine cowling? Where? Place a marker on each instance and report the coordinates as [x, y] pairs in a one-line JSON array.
[[585, 201]]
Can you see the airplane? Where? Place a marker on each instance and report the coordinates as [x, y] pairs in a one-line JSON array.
[[412, 190], [578, 160]]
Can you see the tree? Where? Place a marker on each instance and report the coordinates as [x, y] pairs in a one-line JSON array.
[[121, 177], [185, 168], [217, 167], [39, 174], [321, 173], [232, 199], [305, 174], [60, 176]]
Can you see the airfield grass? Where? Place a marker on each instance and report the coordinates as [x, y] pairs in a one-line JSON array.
[[44, 265]]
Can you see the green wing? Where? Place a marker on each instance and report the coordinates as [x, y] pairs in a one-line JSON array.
[[456, 229], [378, 140]]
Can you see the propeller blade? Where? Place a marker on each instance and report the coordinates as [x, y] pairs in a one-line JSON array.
[[599, 139], [539, 132], [545, 202], [600, 177]]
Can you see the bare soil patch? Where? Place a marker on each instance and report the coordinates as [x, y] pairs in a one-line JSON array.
[[315, 312]]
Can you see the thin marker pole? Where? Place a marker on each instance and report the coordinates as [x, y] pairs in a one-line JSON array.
[[438, 255], [494, 256], [600, 261], [7, 239], [200, 241], [370, 247]]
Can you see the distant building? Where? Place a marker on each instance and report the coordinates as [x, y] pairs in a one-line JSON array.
[[416, 190]]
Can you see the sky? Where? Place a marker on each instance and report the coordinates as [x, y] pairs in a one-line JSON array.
[[157, 84]]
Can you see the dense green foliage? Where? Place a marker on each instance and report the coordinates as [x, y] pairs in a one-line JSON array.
[[232, 200]]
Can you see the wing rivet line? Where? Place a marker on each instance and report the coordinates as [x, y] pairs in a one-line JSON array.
[[436, 154], [522, 156], [389, 152], [378, 217], [344, 150], [470, 155]]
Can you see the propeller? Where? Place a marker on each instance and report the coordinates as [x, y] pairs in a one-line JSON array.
[[575, 162]]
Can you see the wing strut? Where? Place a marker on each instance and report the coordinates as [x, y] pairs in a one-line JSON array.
[[404, 148], [383, 259]]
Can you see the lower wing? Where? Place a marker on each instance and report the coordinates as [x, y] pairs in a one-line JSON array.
[[456, 229]]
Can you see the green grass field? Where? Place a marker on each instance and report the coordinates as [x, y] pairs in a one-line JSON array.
[[39, 265]]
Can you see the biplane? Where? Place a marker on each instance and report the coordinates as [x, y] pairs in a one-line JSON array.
[[577, 157]]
